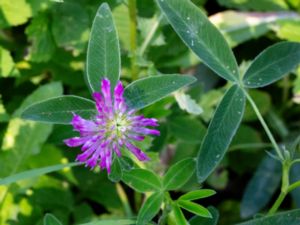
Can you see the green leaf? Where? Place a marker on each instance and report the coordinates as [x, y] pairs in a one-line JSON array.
[[14, 12], [194, 208], [110, 222], [150, 208], [178, 215], [146, 91], [221, 130], [24, 138], [68, 30], [39, 34], [142, 180], [294, 177], [272, 64], [194, 195], [45, 92], [179, 174], [187, 129], [34, 173], [116, 170], [291, 217], [49, 219], [122, 21], [201, 36], [60, 109], [103, 55], [289, 30], [7, 64], [261, 187], [197, 220]]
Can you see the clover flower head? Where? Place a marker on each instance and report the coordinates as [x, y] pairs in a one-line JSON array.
[[115, 126]]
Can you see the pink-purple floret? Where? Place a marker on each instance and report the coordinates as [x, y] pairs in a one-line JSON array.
[[115, 126]]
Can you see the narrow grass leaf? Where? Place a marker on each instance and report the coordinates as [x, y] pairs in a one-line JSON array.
[[35, 173]]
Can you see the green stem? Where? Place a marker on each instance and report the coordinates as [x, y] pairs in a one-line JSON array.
[[150, 35], [124, 200], [133, 39], [294, 186], [265, 126], [284, 188], [166, 209]]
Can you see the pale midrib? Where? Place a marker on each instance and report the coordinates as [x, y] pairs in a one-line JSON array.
[[150, 93], [152, 203], [200, 41], [171, 180], [268, 65], [146, 182], [66, 111]]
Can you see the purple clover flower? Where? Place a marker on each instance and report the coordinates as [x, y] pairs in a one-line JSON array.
[[114, 127]]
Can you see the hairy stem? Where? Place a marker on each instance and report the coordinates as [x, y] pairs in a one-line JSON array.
[[265, 126], [133, 38]]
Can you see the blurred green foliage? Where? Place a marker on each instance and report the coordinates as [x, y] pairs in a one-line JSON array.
[[42, 54]]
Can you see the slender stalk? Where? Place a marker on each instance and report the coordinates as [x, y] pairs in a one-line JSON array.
[[133, 37], [277, 203], [294, 186], [124, 200], [150, 35], [166, 209], [284, 188], [265, 126]]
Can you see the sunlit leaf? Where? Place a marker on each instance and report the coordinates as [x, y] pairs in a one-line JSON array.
[[146, 91], [103, 55], [60, 110], [34, 173]]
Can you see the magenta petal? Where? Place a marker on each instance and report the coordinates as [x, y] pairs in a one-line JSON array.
[[146, 131], [137, 152], [117, 149], [136, 137], [105, 87], [75, 141], [119, 90], [108, 161]]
